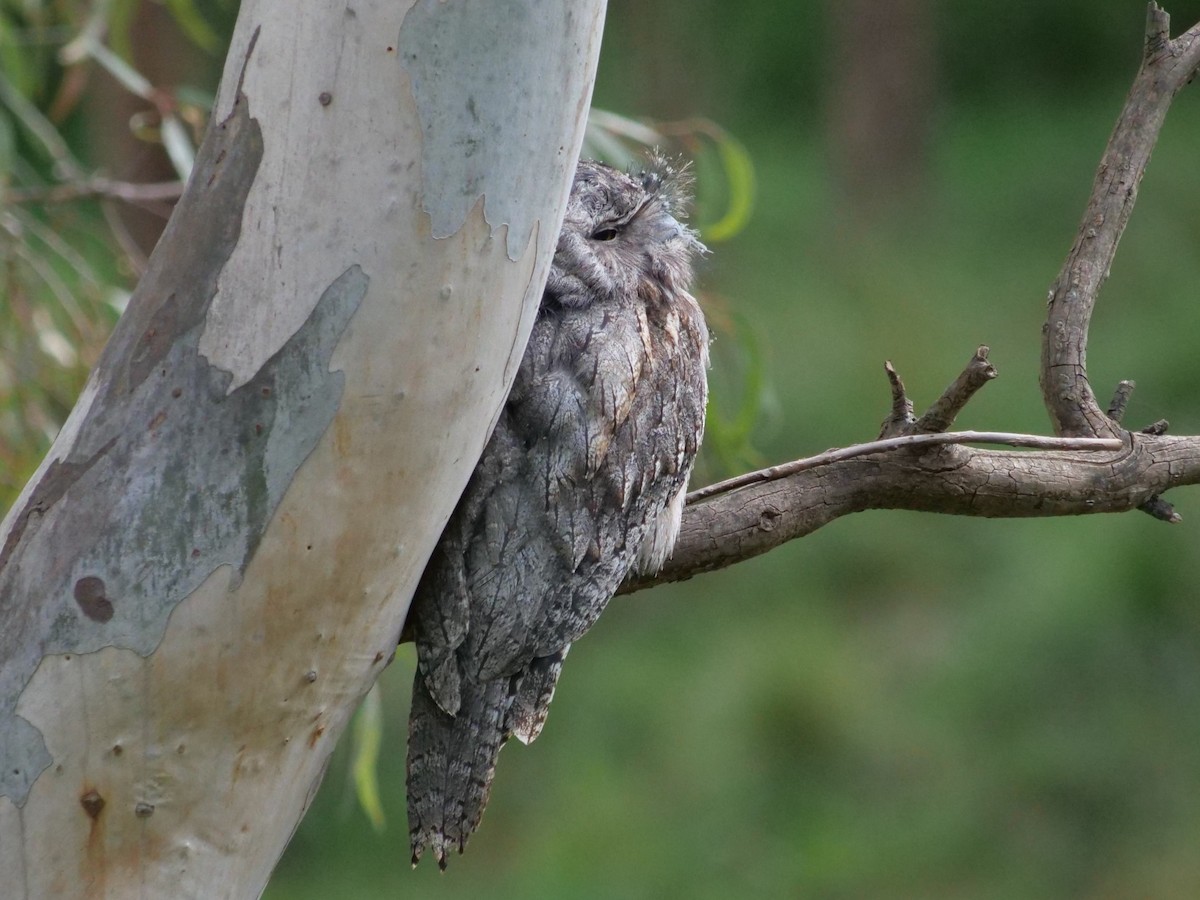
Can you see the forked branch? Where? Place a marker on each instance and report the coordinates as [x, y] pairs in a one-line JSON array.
[[1167, 65], [1101, 468]]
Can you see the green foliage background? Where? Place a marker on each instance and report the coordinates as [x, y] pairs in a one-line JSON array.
[[899, 705]]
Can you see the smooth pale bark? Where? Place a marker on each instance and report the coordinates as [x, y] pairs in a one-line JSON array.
[[214, 562]]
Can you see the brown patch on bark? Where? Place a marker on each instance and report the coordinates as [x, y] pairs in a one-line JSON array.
[[89, 594], [92, 803]]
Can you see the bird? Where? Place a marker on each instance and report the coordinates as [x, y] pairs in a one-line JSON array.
[[581, 482]]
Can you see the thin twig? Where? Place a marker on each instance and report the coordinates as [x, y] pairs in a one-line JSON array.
[[138, 260], [905, 442], [941, 415], [900, 420], [1160, 509], [1120, 400], [130, 192]]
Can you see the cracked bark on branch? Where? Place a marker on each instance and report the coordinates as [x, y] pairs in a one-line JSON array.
[[1167, 65], [752, 514]]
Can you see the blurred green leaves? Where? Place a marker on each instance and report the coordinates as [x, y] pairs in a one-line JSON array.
[[739, 383], [190, 18], [725, 171], [734, 174], [66, 262], [367, 737]]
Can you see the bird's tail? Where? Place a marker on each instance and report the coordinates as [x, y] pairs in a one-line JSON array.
[[452, 758], [451, 761]]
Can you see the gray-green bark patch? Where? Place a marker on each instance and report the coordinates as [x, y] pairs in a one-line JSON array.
[[170, 475], [482, 135]]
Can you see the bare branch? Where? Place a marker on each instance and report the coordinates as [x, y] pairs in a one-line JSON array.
[[1120, 400], [900, 420], [1167, 65], [741, 523], [137, 194], [941, 415], [748, 515], [1159, 508], [137, 259]]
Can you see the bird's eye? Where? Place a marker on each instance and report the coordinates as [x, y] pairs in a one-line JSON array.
[[605, 234]]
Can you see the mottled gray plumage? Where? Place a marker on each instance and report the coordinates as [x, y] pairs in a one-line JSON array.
[[582, 480]]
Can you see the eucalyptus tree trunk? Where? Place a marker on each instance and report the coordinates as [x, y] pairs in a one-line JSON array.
[[214, 562]]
